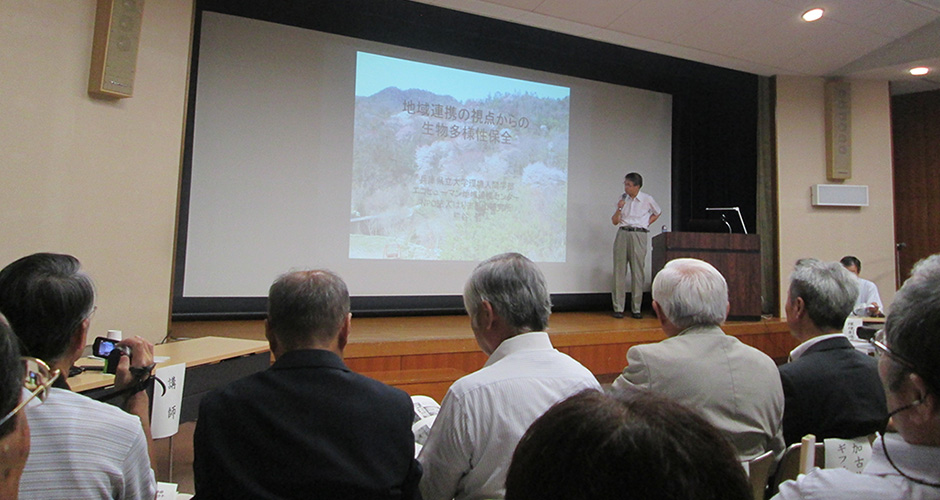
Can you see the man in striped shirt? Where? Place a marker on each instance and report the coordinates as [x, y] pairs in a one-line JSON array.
[[81, 448]]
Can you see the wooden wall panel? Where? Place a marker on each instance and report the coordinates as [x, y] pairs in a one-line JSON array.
[[601, 359], [425, 355], [915, 123], [467, 362], [376, 364]]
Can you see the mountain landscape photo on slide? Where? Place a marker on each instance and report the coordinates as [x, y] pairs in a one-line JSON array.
[[442, 174]]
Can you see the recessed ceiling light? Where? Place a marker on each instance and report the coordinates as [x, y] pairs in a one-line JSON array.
[[920, 71], [812, 15]]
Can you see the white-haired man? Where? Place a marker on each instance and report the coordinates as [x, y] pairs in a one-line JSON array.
[[906, 464], [735, 386], [485, 413]]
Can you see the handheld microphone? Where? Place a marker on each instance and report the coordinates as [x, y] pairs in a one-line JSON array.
[[623, 196]]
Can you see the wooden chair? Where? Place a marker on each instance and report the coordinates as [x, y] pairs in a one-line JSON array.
[[797, 459], [758, 472]]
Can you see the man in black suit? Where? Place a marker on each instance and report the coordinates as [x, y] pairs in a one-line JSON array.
[[830, 389], [308, 427]]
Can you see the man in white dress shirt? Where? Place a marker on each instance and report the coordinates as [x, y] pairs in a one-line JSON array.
[[635, 213], [905, 465], [868, 302], [485, 413]]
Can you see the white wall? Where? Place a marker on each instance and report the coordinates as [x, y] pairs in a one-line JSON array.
[[829, 233], [97, 179]]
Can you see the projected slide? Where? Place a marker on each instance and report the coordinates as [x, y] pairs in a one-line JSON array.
[[451, 164]]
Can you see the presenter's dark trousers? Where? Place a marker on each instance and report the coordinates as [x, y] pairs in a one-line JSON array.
[[630, 248]]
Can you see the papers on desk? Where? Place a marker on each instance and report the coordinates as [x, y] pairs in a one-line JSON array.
[[426, 410], [165, 416]]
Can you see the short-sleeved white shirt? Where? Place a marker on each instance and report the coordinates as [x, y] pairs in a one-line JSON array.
[[636, 212]]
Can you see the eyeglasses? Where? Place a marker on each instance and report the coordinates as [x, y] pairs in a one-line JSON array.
[[881, 348], [38, 380]]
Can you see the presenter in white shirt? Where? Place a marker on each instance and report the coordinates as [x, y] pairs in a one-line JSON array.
[[868, 302], [635, 213]]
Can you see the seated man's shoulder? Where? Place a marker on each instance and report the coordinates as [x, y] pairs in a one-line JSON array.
[[702, 343], [70, 431], [381, 390], [838, 483], [269, 383], [67, 408], [831, 360], [537, 365]]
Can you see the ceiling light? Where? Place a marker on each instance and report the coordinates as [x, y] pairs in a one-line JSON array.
[[920, 71], [812, 15]]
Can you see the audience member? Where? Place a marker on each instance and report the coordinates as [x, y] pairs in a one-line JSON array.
[[830, 389], [638, 445], [307, 427], [14, 429], [81, 448], [905, 465], [485, 413], [868, 302], [735, 386]]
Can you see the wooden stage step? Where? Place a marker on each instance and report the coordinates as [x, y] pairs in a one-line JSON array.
[[425, 354]]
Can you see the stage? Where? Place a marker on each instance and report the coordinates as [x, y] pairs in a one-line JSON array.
[[425, 354]]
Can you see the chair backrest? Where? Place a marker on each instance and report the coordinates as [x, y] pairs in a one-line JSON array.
[[789, 465], [758, 472]]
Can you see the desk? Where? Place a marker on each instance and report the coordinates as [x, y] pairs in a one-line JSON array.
[[210, 363]]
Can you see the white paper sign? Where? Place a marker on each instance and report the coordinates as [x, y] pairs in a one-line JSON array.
[[850, 327], [165, 418], [850, 454]]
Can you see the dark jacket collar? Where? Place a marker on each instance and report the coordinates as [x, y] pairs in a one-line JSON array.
[[829, 345], [306, 358]]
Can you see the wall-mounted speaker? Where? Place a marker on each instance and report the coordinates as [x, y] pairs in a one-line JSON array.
[[114, 51], [839, 195], [838, 97]]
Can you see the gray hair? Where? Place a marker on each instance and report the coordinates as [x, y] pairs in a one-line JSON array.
[[305, 306], [46, 297], [828, 289], [516, 289], [691, 292], [913, 325]]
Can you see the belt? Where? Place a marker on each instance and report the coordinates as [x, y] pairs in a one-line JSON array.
[[632, 229]]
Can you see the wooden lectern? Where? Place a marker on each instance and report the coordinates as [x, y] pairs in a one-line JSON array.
[[736, 256]]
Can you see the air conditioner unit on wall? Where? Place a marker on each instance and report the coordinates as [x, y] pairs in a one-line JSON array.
[[839, 195]]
